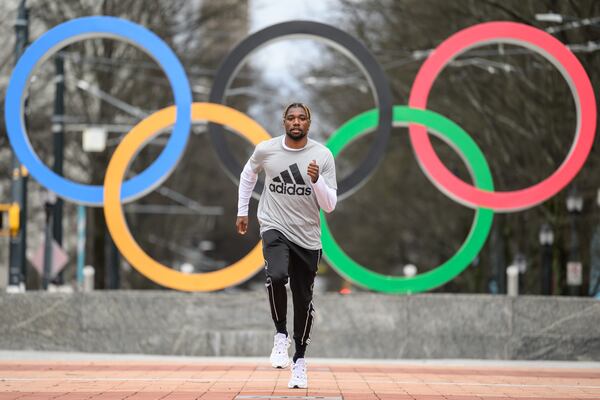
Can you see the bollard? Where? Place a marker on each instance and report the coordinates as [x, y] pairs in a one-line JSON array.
[[88, 278], [409, 271], [512, 278], [187, 268]]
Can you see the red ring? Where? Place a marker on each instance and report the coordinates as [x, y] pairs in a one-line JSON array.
[[557, 54]]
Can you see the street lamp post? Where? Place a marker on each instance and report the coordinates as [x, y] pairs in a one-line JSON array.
[[17, 267], [497, 284], [594, 288], [113, 261], [49, 203], [546, 237], [574, 267], [58, 128]]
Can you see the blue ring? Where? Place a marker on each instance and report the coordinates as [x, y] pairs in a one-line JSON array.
[[94, 27]]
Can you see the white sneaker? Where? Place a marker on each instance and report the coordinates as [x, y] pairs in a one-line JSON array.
[[279, 355], [299, 379]]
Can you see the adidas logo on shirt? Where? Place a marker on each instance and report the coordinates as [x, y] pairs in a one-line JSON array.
[[290, 184]]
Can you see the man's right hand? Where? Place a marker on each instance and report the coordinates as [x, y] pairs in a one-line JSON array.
[[242, 225]]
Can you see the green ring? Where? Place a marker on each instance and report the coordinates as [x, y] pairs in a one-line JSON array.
[[455, 136]]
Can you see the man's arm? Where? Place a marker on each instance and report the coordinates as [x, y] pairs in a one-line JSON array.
[[326, 196], [248, 180]]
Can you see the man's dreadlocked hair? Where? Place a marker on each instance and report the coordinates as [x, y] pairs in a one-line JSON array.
[[297, 105]]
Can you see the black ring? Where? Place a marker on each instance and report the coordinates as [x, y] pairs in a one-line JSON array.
[[345, 42]]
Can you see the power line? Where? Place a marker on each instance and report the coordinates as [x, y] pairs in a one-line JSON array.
[[580, 23], [189, 203]]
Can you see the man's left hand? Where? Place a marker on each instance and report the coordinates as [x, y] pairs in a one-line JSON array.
[[313, 171]]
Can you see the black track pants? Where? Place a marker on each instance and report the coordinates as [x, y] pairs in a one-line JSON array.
[[284, 260]]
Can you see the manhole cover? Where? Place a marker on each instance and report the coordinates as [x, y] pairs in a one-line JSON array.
[[288, 397]]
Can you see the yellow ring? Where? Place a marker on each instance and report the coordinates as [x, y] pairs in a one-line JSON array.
[[113, 211]]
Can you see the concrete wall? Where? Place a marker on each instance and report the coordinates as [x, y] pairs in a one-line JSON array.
[[360, 325]]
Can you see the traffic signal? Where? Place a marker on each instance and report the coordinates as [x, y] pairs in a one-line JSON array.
[[11, 214]]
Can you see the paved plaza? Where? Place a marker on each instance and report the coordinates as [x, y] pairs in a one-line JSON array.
[[64, 376]]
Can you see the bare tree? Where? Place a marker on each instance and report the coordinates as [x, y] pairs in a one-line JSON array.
[[514, 104], [199, 34]]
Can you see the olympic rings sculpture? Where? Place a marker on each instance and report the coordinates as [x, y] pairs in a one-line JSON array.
[[420, 121]]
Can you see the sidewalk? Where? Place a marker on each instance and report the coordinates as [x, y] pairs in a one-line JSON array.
[[69, 376]]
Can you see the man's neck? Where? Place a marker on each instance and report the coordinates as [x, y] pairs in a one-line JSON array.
[[295, 144]]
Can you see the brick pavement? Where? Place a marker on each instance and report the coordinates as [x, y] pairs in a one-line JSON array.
[[242, 379]]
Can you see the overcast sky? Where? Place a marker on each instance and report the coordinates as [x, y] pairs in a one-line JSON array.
[[286, 63], [277, 58]]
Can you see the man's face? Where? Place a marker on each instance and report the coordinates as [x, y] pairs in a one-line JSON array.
[[296, 123]]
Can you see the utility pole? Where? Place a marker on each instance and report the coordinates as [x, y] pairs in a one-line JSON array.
[[58, 129], [113, 262], [574, 265], [497, 284], [546, 237], [18, 244]]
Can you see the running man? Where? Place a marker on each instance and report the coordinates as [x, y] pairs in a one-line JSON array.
[[299, 180]]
